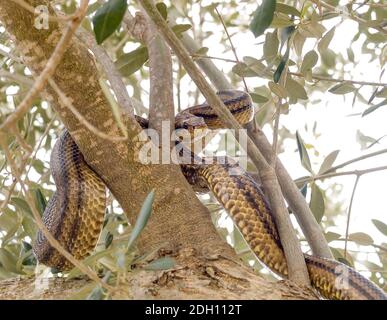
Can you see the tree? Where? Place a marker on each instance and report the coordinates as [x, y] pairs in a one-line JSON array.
[[62, 73]]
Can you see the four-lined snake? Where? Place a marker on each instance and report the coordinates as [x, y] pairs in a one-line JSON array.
[[75, 213]]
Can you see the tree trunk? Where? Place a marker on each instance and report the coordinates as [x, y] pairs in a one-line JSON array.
[[179, 221]]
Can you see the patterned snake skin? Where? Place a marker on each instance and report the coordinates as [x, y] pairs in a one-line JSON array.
[[75, 213]]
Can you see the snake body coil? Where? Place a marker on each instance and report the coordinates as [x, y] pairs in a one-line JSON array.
[[74, 215]]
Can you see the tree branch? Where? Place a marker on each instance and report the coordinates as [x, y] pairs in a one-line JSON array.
[[339, 174], [294, 256], [50, 68], [296, 74], [110, 71], [295, 199], [320, 3]]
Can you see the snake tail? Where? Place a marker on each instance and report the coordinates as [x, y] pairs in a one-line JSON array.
[[75, 213], [246, 203]]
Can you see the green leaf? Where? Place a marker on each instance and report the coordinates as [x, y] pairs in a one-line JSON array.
[[278, 90], [373, 108], [142, 218], [342, 88], [381, 226], [304, 190], [243, 70], [338, 253], [361, 238], [279, 70], [281, 66], [108, 18], [328, 161], [96, 294], [163, 263], [310, 60], [8, 260], [332, 236], [202, 51], [270, 47], [130, 62], [40, 201], [284, 8], [326, 40], [281, 22], [180, 28], [328, 57], [295, 89], [263, 17], [38, 166], [317, 204], [257, 98], [162, 8], [108, 240], [305, 161], [22, 205]]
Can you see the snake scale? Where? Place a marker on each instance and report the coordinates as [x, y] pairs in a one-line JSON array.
[[75, 213]]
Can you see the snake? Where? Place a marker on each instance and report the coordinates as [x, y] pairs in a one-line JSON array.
[[75, 213]]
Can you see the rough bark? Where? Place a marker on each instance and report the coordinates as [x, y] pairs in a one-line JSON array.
[[194, 277], [116, 162], [178, 217]]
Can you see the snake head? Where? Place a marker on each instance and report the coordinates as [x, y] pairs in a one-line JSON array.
[[190, 122]]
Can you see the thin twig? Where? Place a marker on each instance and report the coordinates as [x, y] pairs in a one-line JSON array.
[[297, 74], [330, 79], [232, 45], [37, 148], [10, 56], [17, 77], [349, 215], [278, 106], [49, 69], [338, 174], [321, 3], [346, 163]]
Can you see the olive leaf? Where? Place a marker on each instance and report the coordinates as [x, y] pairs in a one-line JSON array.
[[108, 18], [381, 226], [375, 107], [132, 61], [342, 88], [263, 17], [40, 200], [326, 40], [305, 161], [310, 60], [317, 203], [142, 218], [361, 238], [328, 161], [163, 263]]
